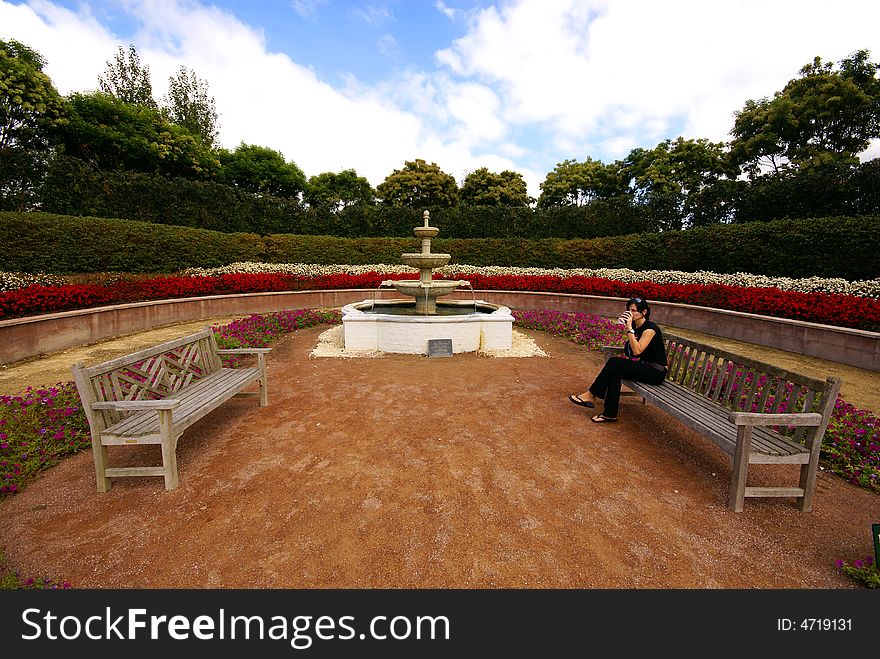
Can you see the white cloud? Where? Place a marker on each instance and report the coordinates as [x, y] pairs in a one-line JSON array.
[[449, 12], [375, 15], [51, 30], [596, 69], [307, 8], [387, 45]]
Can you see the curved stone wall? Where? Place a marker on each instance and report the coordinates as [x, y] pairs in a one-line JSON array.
[[22, 338]]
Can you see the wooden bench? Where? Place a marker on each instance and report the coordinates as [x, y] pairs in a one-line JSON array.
[[153, 395], [756, 413]]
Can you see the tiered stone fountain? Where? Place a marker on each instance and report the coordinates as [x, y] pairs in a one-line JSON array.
[[407, 325], [426, 290]]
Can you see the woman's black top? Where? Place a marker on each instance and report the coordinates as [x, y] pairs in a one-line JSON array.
[[655, 352]]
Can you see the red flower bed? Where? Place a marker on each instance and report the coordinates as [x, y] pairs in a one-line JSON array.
[[825, 308], [46, 299]]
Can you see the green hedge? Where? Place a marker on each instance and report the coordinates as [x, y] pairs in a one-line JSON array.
[[41, 242], [844, 247]]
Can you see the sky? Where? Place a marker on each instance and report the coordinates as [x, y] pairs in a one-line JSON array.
[[516, 85]]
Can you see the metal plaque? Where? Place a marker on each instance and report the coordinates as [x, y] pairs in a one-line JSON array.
[[439, 347]]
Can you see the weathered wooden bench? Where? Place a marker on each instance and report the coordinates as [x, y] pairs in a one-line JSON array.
[[153, 395], [755, 412]]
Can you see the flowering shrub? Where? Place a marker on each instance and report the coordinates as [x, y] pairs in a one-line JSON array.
[[11, 579], [262, 329], [864, 571], [828, 308], [587, 330], [37, 429], [865, 288], [10, 281], [851, 447]]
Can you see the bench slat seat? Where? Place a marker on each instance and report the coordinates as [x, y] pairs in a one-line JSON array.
[[756, 413], [153, 395], [713, 420], [195, 402]]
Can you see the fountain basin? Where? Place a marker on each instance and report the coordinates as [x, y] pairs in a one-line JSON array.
[[414, 288], [423, 261], [392, 326], [426, 232]]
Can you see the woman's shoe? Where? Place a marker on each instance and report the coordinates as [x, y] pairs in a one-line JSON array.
[[601, 418], [578, 401]]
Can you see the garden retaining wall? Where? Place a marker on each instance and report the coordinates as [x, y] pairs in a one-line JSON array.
[[22, 338]]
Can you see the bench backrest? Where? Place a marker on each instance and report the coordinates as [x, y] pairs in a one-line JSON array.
[[150, 374], [742, 384]]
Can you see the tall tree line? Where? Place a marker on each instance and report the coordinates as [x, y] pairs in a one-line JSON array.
[[793, 154]]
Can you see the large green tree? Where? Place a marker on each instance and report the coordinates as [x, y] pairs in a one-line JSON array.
[[127, 79], [573, 183], [484, 188], [189, 104], [682, 183], [824, 116], [261, 170], [30, 108], [338, 190], [112, 134], [419, 185]]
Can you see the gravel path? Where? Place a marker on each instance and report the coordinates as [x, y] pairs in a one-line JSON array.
[[408, 471]]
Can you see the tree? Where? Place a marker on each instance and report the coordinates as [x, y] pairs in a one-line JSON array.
[[127, 79], [419, 185], [822, 117], [680, 183], [261, 170], [338, 191], [188, 104], [573, 183], [113, 134], [30, 108], [484, 188]]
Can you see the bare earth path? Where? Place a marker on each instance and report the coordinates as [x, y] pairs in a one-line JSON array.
[[406, 471]]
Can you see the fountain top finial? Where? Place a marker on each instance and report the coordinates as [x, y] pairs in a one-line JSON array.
[[427, 216]]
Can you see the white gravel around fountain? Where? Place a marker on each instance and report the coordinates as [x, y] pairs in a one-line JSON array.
[[331, 343]]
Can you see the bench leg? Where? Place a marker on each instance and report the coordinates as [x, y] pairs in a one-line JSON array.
[[740, 468], [99, 453], [264, 383], [169, 449], [808, 478]]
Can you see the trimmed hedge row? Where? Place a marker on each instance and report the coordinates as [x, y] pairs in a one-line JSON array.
[[40, 242], [74, 187], [844, 247]]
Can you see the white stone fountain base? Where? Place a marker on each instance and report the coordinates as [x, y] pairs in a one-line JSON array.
[[490, 329]]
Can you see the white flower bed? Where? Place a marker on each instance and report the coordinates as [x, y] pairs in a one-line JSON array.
[[10, 281], [864, 288]]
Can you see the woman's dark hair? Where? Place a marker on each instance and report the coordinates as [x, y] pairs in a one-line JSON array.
[[641, 304]]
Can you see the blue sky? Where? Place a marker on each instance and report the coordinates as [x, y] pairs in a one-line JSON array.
[[512, 84]]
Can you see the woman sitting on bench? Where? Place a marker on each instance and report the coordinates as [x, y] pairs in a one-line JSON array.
[[645, 361]]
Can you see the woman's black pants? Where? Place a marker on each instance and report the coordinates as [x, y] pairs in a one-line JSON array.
[[607, 384]]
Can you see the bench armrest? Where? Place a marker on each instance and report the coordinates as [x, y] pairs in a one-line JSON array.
[[761, 419], [137, 405], [611, 351], [244, 351]]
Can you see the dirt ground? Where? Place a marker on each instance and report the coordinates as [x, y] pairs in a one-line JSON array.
[[415, 472]]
